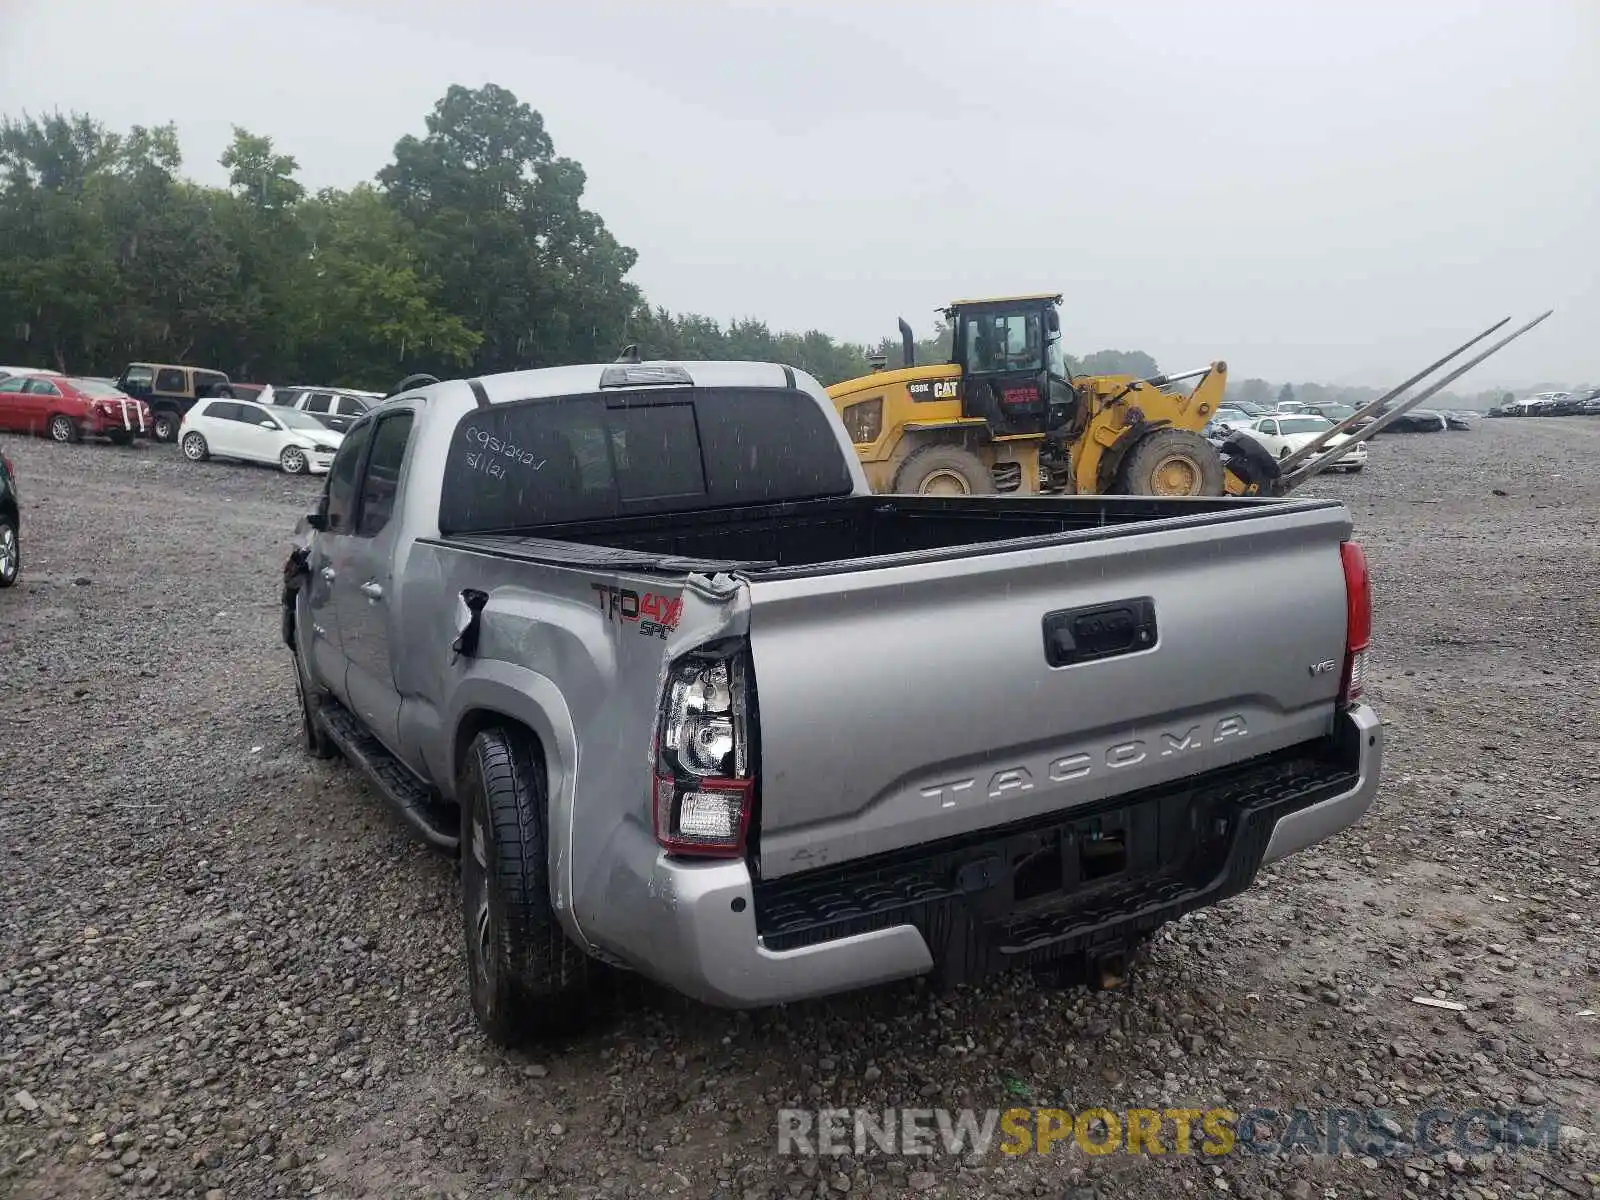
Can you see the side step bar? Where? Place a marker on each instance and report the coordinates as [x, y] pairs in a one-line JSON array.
[[416, 804]]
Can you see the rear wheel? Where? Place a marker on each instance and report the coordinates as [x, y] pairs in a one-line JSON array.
[[62, 428], [195, 448], [523, 973], [1171, 462], [164, 425], [944, 471], [10, 552]]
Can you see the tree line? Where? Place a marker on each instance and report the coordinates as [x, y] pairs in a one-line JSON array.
[[471, 251]]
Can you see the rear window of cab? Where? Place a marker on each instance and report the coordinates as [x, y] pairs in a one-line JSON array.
[[588, 457]]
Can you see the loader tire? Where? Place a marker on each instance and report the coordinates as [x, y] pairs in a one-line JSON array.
[[525, 978], [944, 471], [1171, 462]]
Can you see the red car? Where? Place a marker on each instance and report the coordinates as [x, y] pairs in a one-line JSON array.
[[68, 409]]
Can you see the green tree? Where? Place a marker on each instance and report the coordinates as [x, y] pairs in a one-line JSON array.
[[259, 174], [1286, 394], [59, 283], [368, 313], [266, 225], [499, 220]]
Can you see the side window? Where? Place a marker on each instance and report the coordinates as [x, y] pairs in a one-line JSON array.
[[1270, 428], [221, 410], [41, 387], [170, 379], [320, 402], [349, 406], [139, 377], [342, 479], [382, 479], [14, 385]]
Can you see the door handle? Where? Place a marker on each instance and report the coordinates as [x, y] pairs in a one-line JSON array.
[[328, 573], [372, 591]]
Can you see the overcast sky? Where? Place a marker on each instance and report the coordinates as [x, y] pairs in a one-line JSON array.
[[1337, 191]]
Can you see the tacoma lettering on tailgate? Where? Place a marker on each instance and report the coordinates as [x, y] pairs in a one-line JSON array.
[[1068, 767]]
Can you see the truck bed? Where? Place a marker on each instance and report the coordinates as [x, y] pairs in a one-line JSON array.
[[929, 667], [852, 533]]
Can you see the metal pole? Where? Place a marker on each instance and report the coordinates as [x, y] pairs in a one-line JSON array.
[[1372, 406], [1163, 380], [1296, 478]]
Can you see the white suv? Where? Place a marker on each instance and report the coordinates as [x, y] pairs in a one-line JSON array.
[[295, 441]]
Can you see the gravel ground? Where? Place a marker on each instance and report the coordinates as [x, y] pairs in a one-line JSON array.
[[226, 972]]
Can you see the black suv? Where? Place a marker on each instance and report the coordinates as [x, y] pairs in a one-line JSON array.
[[170, 389]]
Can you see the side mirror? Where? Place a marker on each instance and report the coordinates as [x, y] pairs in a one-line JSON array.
[[268, 424], [317, 520], [1053, 319]]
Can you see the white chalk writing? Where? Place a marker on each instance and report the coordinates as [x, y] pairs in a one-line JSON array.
[[490, 447]]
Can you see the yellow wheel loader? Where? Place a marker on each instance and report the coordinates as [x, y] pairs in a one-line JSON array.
[[1003, 415]]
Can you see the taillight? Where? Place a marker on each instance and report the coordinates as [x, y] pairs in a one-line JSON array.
[[1358, 620], [705, 773]]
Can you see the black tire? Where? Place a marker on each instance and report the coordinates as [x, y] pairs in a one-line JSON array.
[[63, 429], [318, 744], [164, 424], [10, 552], [522, 972], [194, 446], [1171, 462], [944, 471], [119, 437]]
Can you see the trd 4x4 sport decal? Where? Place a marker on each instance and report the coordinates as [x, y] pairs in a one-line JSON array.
[[656, 614]]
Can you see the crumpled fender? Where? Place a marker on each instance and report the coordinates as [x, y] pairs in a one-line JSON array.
[[296, 571]]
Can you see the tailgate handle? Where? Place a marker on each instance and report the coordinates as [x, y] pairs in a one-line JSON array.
[[1096, 631]]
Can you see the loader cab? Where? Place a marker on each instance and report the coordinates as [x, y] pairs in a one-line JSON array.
[[1013, 368]]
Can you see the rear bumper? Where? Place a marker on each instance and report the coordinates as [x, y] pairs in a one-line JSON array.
[[98, 424], [966, 907]]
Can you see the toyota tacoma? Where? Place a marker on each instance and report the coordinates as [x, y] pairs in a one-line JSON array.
[[639, 645]]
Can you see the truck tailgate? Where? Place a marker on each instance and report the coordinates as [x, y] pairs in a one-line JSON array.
[[910, 703]]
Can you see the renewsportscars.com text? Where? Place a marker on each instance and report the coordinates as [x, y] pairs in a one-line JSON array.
[[1210, 1132]]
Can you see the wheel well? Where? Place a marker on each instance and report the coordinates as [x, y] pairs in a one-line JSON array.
[[475, 722]]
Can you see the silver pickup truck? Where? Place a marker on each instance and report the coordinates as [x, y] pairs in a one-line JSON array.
[[638, 643]]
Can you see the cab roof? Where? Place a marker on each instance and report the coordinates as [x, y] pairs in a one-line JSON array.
[[1054, 297], [161, 366]]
